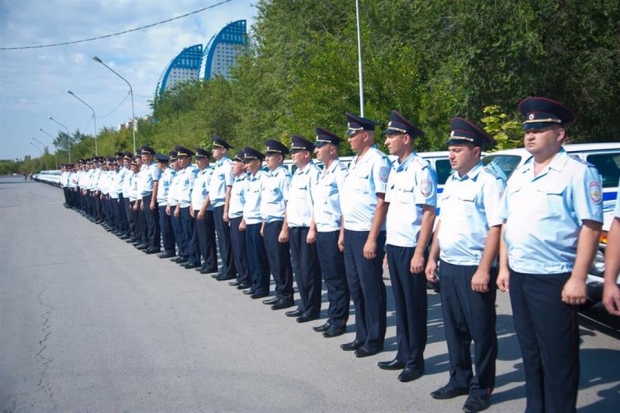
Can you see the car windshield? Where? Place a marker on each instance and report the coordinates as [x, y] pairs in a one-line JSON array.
[[502, 165]]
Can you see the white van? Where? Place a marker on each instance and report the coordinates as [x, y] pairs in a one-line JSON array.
[[606, 158]]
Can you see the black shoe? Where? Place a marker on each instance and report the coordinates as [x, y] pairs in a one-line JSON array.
[[166, 255], [271, 301], [282, 304], [448, 392], [204, 271], [176, 259], [410, 374], [257, 296], [294, 313], [125, 236], [334, 331], [142, 247], [322, 328], [190, 265], [244, 286], [304, 318], [475, 404], [352, 346], [248, 292], [234, 283], [153, 250], [367, 352], [391, 365], [182, 260], [224, 277]]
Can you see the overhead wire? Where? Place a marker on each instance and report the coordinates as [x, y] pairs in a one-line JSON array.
[[117, 33]]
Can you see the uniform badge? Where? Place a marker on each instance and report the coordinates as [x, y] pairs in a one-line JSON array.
[[426, 187], [384, 173], [595, 192], [531, 116]]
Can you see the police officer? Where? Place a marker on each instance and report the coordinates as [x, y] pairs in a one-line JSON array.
[[611, 292], [274, 196], [467, 241], [219, 193], [252, 224], [552, 205], [163, 190], [412, 196], [328, 221], [364, 211], [202, 212], [126, 189], [175, 221], [300, 231], [233, 214], [149, 175], [181, 199]]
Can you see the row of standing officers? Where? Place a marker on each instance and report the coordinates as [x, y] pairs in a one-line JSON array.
[[337, 225]]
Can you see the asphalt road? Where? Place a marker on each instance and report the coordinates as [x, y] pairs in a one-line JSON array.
[[90, 324]]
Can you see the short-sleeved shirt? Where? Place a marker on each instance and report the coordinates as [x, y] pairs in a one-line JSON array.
[[254, 189], [301, 201], [366, 177], [237, 196], [163, 190], [149, 174], [275, 194], [543, 214], [200, 189], [183, 187], [470, 206], [617, 210], [411, 185], [326, 194], [221, 179]]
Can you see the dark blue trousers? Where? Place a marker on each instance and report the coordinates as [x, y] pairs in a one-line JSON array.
[[124, 223], [307, 271], [223, 241], [548, 334], [190, 243], [332, 267], [205, 234], [469, 315], [237, 242], [167, 233], [279, 256], [258, 264], [410, 303], [153, 233], [177, 229], [365, 278]]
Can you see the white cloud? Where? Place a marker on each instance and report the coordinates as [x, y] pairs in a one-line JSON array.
[[33, 82]]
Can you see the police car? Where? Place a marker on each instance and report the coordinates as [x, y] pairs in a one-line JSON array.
[[606, 158]]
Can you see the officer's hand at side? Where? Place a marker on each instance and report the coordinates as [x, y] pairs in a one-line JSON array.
[[311, 237], [480, 281], [177, 212], [431, 269], [417, 264], [283, 237], [370, 249], [611, 298], [341, 242], [242, 225], [503, 280], [168, 210], [574, 292]]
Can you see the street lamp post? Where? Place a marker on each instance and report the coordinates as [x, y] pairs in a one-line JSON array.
[[359, 58], [133, 116], [40, 152], [68, 134], [55, 158], [94, 117]]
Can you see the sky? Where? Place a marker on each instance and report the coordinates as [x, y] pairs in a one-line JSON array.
[[34, 82]]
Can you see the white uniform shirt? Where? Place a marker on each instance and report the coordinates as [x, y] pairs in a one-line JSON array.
[[237, 196], [300, 196], [469, 208], [221, 179], [411, 185], [182, 188], [200, 189], [254, 189], [275, 194], [543, 214], [365, 179], [326, 194], [163, 190]]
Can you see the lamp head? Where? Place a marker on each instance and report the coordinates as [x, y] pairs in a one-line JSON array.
[[96, 59]]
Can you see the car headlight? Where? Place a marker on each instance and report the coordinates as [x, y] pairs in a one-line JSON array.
[[598, 265]]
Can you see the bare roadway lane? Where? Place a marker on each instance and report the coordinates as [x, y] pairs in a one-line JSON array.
[[90, 324]]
